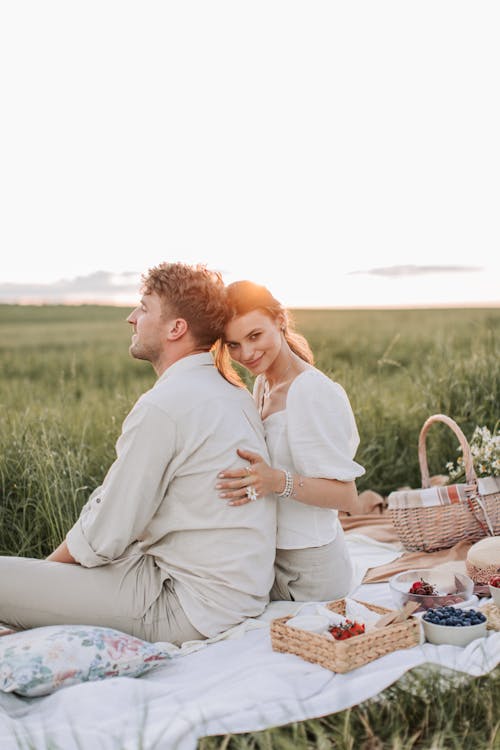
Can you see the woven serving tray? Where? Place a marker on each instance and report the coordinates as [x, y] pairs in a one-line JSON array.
[[342, 656]]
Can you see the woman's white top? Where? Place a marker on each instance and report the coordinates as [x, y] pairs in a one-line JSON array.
[[314, 436]]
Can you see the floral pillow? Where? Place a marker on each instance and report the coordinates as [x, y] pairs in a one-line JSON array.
[[38, 661]]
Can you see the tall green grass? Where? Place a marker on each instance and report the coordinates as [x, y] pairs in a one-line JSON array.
[[401, 366], [67, 382]]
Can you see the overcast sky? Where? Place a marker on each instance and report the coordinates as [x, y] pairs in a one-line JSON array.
[[341, 153]]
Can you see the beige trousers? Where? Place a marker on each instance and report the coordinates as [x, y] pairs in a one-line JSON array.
[[313, 574], [130, 594]]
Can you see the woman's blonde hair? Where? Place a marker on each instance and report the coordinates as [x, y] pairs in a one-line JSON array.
[[243, 297]]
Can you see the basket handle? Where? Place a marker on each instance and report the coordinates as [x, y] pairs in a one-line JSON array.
[[470, 474]]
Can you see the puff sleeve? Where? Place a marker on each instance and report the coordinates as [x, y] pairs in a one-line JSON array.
[[322, 432]]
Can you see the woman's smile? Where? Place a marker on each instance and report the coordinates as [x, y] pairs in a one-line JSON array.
[[252, 363]]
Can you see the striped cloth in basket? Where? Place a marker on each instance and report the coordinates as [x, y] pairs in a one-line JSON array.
[[447, 495]]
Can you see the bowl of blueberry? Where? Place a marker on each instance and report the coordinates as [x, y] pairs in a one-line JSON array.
[[454, 626], [430, 588]]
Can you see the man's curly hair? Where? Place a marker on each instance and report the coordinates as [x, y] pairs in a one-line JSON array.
[[193, 293]]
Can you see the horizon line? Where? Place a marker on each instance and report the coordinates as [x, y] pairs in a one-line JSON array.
[[478, 305]]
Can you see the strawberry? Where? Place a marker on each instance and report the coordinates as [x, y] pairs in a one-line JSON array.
[[422, 588], [347, 630], [357, 628], [495, 581]]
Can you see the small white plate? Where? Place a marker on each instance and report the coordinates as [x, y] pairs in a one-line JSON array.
[[312, 623]]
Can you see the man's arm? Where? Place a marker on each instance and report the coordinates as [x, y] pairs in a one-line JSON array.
[[62, 555], [119, 511]]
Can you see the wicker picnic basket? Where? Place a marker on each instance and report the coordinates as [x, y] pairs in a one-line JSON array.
[[342, 656], [467, 511]]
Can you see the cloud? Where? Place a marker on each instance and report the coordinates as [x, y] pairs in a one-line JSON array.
[[100, 286], [412, 270]]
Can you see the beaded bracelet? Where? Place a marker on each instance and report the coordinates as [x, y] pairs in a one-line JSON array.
[[288, 489]]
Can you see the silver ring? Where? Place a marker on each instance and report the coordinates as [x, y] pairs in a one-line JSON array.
[[251, 493], [248, 469]]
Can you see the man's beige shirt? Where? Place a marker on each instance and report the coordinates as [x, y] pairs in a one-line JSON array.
[[159, 497]]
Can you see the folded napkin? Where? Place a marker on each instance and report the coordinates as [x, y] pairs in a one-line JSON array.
[[448, 495]]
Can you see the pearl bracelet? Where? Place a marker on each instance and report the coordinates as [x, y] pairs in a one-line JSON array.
[[288, 489]]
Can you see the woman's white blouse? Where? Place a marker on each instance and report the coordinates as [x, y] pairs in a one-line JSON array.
[[314, 436]]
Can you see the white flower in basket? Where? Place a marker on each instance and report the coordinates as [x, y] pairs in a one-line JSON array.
[[485, 451]]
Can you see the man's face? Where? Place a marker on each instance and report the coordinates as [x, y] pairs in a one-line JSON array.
[[149, 336]]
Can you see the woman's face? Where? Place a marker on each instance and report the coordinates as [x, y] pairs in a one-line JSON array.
[[254, 340]]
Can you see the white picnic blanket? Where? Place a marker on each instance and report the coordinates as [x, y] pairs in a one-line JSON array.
[[235, 684]]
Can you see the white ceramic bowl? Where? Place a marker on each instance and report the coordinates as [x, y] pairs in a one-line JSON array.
[[495, 593], [453, 636], [400, 583]]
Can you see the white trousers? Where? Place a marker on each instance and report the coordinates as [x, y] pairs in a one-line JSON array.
[[130, 594], [315, 573]]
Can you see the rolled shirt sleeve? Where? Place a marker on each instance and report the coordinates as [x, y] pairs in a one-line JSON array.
[[322, 432], [118, 512]]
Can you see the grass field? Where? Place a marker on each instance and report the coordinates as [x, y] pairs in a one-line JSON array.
[[68, 381]]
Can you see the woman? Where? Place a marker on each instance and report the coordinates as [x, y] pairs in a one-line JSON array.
[[312, 439]]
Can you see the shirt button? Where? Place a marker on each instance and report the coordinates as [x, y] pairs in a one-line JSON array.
[[98, 499]]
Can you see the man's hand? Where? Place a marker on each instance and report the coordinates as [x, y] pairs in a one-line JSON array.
[[62, 555]]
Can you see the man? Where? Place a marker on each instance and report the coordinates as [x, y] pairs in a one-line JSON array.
[[155, 551]]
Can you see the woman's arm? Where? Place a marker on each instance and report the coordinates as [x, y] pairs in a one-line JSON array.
[[322, 493], [325, 493]]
